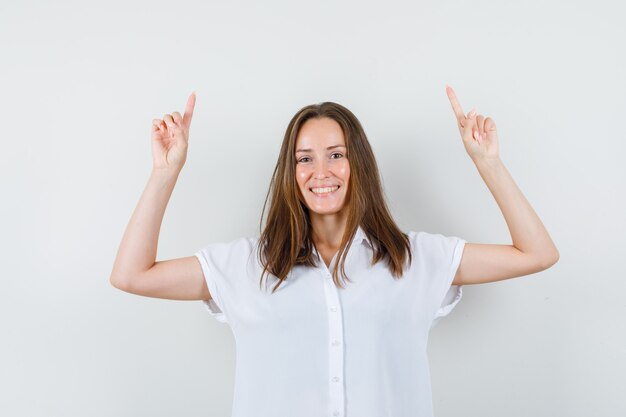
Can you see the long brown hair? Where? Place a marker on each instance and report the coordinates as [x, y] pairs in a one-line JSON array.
[[286, 239]]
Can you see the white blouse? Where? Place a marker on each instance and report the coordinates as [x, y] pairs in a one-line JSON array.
[[312, 349]]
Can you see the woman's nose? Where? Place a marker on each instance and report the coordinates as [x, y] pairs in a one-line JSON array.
[[320, 170]]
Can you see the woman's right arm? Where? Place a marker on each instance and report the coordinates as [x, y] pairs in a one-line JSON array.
[[135, 269]]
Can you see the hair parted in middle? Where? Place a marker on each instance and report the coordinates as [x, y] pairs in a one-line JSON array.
[[286, 239]]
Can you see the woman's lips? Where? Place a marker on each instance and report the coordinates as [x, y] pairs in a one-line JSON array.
[[325, 194]]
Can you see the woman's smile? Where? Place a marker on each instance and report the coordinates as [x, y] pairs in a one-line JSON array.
[[324, 192]]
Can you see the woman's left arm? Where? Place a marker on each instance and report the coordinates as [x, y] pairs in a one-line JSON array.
[[533, 249]]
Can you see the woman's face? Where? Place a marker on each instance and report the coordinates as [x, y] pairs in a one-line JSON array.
[[321, 162]]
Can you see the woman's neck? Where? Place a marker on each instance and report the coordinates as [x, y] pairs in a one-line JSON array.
[[328, 229]]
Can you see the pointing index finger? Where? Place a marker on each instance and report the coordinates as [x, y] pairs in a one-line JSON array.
[[456, 107], [191, 103]]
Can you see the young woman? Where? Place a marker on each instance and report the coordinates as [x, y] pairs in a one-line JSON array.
[[343, 330]]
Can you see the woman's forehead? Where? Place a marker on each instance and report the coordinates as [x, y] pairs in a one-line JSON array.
[[319, 133]]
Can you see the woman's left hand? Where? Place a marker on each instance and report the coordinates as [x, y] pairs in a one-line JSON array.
[[479, 134]]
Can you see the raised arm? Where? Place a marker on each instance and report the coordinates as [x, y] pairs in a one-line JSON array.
[[135, 269], [533, 249]]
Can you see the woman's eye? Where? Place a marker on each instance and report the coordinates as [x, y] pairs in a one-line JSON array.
[[306, 157]]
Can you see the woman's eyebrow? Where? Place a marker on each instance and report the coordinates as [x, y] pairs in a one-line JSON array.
[[330, 147]]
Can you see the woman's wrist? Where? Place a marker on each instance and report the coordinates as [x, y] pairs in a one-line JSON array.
[[488, 162], [165, 174]]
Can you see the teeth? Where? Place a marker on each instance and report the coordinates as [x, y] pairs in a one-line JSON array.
[[324, 190]]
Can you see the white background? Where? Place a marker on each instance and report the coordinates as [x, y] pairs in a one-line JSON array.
[[80, 84]]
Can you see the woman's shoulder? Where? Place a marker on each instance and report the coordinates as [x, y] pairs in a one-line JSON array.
[[431, 239], [230, 254]]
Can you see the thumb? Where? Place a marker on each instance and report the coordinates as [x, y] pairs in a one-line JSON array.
[[470, 123]]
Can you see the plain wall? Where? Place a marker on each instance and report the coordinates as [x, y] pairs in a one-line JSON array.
[[80, 84]]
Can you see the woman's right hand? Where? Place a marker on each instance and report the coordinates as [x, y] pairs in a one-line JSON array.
[[170, 137]]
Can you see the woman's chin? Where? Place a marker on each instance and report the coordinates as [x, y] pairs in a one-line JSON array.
[[325, 210]]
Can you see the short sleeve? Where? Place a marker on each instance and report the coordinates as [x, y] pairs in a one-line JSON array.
[[224, 268], [441, 257]]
